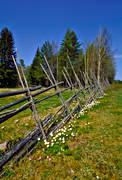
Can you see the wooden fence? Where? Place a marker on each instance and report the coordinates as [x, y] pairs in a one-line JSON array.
[[82, 96]]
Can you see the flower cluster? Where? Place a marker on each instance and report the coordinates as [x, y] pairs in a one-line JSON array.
[[87, 123], [88, 106], [57, 142]]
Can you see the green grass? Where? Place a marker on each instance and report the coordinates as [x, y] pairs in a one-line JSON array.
[[94, 151], [17, 126]]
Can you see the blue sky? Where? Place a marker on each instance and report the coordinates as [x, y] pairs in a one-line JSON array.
[[32, 22]]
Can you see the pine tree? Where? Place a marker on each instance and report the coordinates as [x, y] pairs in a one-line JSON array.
[[69, 47], [8, 74], [28, 74], [46, 50], [36, 75]]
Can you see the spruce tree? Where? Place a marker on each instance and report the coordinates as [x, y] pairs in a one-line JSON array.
[[69, 47], [46, 50], [36, 75], [8, 74]]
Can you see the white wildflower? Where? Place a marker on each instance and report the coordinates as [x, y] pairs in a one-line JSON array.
[[38, 138], [72, 171], [72, 134], [16, 120], [39, 158], [63, 140], [52, 144], [46, 142], [29, 159], [51, 134]]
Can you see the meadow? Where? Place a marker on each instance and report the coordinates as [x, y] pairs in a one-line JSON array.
[[87, 147]]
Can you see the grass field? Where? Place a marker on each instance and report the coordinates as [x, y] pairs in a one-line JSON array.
[[91, 149], [23, 122]]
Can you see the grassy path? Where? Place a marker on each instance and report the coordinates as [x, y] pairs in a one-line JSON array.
[[93, 152]]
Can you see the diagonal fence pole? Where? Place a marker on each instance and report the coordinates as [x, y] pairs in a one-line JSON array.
[[90, 82], [63, 105], [18, 73], [47, 74], [108, 84], [68, 77], [92, 88], [63, 101], [75, 93], [89, 99], [50, 80], [83, 78], [69, 83], [90, 85], [99, 89], [77, 79], [97, 84], [21, 81], [32, 102], [79, 83], [55, 89]]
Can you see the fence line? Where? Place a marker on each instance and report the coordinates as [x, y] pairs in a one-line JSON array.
[[82, 96]]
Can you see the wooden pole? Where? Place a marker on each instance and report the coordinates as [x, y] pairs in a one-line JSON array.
[[57, 88], [35, 113]]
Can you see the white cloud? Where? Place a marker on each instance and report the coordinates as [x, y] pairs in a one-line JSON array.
[[119, 56]]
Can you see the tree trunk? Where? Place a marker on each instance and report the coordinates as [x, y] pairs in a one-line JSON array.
[[98, 70]]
